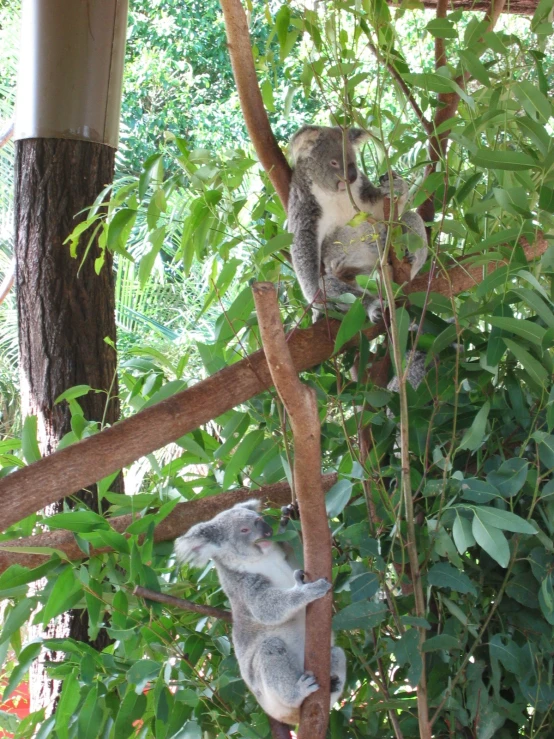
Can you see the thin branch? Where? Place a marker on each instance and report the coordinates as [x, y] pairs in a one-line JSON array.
[[183, 604], [240, 50], [427, 125], [301, 404], [6, 134], [28, 490], [177, 523], [7, 283]]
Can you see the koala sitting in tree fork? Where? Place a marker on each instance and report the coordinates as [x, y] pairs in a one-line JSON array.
[[327, 190], [268, 602]]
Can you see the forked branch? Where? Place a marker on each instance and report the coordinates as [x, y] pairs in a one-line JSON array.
[[301, 405]]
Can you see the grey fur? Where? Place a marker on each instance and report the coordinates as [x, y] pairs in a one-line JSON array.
[[268, 600], [320, 208]]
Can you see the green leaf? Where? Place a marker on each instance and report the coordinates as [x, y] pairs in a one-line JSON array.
[[474, 436], [17, 616], [142, 672], [66, 592], [507, 654], [533, 367], [533, 101], [79, 521], [443, 575], [91, 716], [492, 540], [461, 533], [26, 656], [526, 329], [132, 708], [504, 520], [352, 322], [29, 443], [523, 589], [241, 456], [156, 238], [515, 161], [475, 67], [361, 615], [69, 700], [364, 586], [337, 498], [74, 392], [430, 81], [478, 491], [442, 28], [120, 228], [510, 477], [442, 641]]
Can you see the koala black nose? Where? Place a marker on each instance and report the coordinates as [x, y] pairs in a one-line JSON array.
[[352, 172], [265, 528]]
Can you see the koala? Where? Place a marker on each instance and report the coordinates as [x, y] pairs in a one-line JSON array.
[[320, 207], [268, 602]]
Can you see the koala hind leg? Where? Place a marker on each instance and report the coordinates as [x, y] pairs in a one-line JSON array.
[[284, 686], [332, 287], [414, 226], [338, 673]]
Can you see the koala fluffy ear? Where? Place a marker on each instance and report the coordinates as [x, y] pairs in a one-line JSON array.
[[302, 142], [200, 544], [357, 136], [253, 505]]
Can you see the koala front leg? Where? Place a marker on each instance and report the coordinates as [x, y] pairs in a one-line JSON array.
[[273, 606]]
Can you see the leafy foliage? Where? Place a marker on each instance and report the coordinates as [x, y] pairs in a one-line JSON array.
[[193, 228]]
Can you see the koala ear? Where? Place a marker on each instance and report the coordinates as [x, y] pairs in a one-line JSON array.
[[200, 544], [357, 136], [302, 142], [252, 505]]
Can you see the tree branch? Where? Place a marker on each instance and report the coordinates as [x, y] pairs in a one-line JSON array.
[[75, 467], [183, 604], [301, 404], [240, 50], [179, 521]]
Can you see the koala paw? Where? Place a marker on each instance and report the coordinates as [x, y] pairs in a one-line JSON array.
[[375, 311], [317, 589], [307, 684], [342, 269], [400, 186], [299, 577]]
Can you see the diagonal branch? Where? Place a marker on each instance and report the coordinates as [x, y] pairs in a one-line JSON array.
[[183, 604], [301, 405], [178, 522]]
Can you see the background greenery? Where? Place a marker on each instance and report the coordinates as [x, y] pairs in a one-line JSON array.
[[193, 220]]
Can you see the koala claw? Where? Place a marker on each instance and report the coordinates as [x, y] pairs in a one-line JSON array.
[[400, 186], [299, 576], [375, 311], [307, 684], [318, 588]]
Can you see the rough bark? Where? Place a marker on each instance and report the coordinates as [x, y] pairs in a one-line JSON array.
[[65, 311]]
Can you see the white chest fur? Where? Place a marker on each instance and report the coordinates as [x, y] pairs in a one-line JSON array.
[[336, 207], [272, 565]]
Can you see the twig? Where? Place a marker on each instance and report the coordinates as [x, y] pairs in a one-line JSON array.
[[301, 404], [270, 155], [7, 282], [178, 522], [427, 125], [183, 604], [6, 134]]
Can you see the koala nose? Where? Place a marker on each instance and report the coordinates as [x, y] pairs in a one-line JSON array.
[[264, 528], [352, 172]]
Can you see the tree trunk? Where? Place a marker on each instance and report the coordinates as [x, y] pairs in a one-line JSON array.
[[65, 311]]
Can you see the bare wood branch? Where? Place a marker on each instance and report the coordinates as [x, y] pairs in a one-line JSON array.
[[179, 521], [240, 50], [6, 134], [301, 404], [279, 730], [183, 604], [77, 466]]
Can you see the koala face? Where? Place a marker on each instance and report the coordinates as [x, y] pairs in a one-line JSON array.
[[238, 533], [326, 156]]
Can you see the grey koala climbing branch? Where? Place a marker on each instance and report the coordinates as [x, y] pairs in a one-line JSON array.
[[301, 406]]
